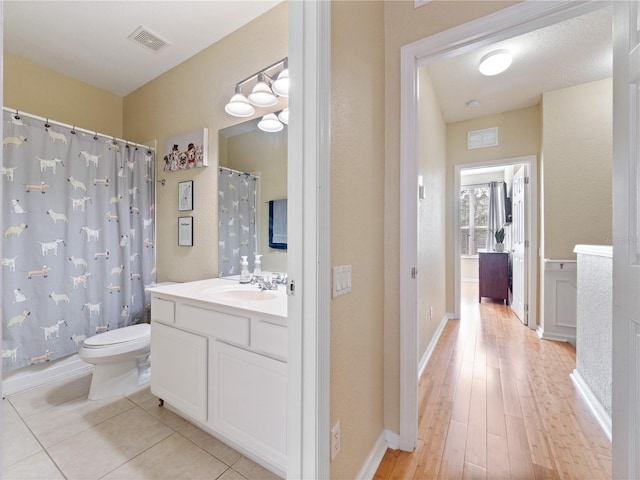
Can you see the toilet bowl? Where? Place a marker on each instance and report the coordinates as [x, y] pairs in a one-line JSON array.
[[120, 359]]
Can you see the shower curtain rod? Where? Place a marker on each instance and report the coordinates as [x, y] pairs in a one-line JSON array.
[[20, 113], [239, 172]]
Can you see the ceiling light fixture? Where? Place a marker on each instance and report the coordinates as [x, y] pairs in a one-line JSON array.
[[265, 92], [473, 103], [495, 62], [270, 123]]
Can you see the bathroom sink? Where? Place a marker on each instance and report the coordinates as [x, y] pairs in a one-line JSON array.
[[241, 293]]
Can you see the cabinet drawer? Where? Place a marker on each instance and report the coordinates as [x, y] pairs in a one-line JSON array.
[[270, 338], [216, 324], [163, 310]]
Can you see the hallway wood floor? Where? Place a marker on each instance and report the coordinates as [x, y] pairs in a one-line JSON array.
[[496, 402]]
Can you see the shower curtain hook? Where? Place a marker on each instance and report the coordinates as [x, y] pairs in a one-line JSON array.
[[73, 130], [17, 115], [95, 136], [46, 125]]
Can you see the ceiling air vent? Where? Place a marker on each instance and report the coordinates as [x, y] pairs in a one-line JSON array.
[[487, 137], [147, 39]]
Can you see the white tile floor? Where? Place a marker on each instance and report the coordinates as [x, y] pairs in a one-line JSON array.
[[54, 432]]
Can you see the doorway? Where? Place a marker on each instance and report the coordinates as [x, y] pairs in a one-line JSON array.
[[521, 231], [507, 23]]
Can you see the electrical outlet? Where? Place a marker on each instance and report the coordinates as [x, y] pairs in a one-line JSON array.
[[335, 440]]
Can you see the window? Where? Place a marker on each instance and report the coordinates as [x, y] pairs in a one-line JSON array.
[[474, 218]]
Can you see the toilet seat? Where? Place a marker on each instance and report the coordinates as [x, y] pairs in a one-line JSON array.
[[132, 334]]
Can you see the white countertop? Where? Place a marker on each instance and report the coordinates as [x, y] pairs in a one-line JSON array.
[[200, 291]]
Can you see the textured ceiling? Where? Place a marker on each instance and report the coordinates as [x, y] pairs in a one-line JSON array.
[[566, 54], [87, 40]]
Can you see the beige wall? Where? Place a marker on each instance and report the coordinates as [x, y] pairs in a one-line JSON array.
[[40, 91], [265, 155], [577, 161], [404, 24], [357, 204], [432, 159], [518, 135], [191, 96]]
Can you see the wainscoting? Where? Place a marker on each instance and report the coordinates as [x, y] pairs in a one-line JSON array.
[[558, 303]]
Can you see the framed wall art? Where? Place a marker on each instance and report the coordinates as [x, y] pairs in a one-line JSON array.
[[185, 195], [185, 231], [187, 150]]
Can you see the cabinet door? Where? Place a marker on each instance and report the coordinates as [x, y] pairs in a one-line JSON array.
[[179, 369], [248, 400]]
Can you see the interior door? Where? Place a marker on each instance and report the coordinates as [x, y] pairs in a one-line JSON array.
[[519, 235], [626, 244]]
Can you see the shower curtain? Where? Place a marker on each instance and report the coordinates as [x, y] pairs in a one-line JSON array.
[[78, 238], [496, 211], [237, 194]]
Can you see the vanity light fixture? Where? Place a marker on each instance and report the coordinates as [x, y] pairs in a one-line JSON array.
[[283, 116], [495, 62], [270, 123], [265, 92], [239, 106], [280, 85], [262, 95]]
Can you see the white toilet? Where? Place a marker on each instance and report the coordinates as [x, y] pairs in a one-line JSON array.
[[120, 358]]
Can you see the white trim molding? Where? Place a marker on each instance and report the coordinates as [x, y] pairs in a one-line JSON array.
[[597, 410], [432, 344], [372, 462], [308, 399]]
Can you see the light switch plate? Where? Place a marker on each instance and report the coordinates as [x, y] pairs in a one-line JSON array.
[[341, 280]]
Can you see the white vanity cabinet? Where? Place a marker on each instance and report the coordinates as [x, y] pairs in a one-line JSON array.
[[179, 373], [248, 398], [225, 369]]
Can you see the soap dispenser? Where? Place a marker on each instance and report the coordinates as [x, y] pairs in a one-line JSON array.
[[245, 276], [257, 266]]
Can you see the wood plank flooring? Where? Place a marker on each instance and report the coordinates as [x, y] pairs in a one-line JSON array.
[[496, 402]]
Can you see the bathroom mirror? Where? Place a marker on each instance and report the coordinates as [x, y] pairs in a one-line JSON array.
[[243, 148]]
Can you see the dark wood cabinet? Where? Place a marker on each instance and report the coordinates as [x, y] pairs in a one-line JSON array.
[[494, 275]]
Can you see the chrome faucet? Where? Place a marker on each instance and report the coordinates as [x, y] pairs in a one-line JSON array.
[[264, 284]]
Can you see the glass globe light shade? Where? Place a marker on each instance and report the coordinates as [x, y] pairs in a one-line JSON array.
[[239, 106], [261, 95], [270, 123], [283, 116]]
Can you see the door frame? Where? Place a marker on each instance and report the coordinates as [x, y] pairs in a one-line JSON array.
[[308, 256], [532, 257], [511, 21]]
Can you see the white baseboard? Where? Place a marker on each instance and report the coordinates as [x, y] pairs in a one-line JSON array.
[[36, 375], [557, 337], [372, 462], [393, 439], [599, 413], [432, 344]]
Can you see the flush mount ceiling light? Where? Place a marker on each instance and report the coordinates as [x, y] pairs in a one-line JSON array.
[[270, 123], [239, 106], [473, 103], [495, 62], [265, 93]]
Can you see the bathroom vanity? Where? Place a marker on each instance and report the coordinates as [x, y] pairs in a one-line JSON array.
[[219, 356]]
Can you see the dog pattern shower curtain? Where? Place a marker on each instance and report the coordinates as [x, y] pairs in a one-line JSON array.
[[236, 220], [78, 238]]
